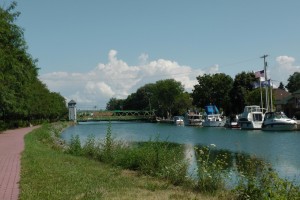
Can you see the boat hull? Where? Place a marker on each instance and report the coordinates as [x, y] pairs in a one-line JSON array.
[[213, 123], [250, 125], [279, 127]]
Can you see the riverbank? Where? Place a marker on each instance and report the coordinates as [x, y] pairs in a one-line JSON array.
[[50, 173]]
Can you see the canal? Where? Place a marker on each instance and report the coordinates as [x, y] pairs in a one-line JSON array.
[[281, 149]]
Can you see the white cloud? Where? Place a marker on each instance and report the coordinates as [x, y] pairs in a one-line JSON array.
[[117, 79], [283, 68]]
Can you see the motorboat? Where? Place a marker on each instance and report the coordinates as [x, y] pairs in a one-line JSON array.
[[278, 121], [178, 120], [251, 118], [193, 118], [232, 122], [212, 117]]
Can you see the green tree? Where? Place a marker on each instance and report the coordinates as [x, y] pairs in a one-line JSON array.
[[281, 86], [213, 89], [115, 104], [23, 96], [141, 99], [242, 85], [164, 96], [293, 82]]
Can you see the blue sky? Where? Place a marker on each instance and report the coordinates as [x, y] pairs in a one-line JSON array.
[[93, 50]]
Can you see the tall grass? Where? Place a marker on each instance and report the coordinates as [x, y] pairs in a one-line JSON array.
[[154, 157], [255, 178]]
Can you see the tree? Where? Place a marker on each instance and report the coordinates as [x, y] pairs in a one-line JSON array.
[[281, 86], [293, 82], [242, 85], [165, 94], [23, 96], [213, 89], [115, 104]]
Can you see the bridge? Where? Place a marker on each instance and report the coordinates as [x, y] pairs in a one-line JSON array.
[[116, 115]]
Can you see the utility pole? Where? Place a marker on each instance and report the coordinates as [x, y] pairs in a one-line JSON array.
[[265, 73]]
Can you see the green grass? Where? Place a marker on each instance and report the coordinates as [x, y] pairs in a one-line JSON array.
[[101, 170], [49, 173]]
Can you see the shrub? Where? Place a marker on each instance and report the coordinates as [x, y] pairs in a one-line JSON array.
[[212, 171], [75, 146]]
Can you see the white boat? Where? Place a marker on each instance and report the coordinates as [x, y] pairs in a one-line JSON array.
[[278, 121], [213, 118], [193, 119], [251, 118], [178, 120]]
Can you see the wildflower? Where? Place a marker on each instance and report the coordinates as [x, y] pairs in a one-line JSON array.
[[213, 145]]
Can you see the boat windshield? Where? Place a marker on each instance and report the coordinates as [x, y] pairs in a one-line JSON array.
[[257, 117], [252, 109]]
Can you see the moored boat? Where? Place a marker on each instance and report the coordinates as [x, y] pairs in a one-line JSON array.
[[278, 121], [251, 118], [193, 119], [212, 117], [178, 120], [232, 122]]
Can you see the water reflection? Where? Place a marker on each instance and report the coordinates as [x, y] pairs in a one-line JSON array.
[[207, 159]]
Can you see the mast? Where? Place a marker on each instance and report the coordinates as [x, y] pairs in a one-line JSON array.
[[266, 79]]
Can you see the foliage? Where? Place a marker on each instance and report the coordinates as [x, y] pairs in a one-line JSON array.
[[115, 104], [47, 173], [212, 170], [281, 86], [23, 96], [293, 82], [213, 89], [242, 85], [75, 146], [258, 181], [166, 97]]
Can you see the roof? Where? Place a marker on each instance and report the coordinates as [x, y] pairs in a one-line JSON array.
[[280, 94], [72, 102]]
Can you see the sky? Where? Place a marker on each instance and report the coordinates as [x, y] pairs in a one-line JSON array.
[[94, 50]]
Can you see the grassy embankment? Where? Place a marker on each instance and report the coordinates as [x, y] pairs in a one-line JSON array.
[[49, 173], [51, 170]]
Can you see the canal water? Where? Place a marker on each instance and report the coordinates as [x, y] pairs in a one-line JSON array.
[[281, 149]]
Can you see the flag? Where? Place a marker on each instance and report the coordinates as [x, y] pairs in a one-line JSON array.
[[265, 83], [260, 74]]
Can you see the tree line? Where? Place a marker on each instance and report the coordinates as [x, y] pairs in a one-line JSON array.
[[168, 98], [24, 99]]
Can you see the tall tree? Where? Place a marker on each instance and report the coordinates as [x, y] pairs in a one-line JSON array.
[[213, 89], [242, 85], [293, 82], [22, 96]]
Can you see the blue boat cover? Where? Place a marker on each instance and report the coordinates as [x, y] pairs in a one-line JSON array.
[[212, 109]]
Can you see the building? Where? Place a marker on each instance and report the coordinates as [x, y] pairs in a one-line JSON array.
[[287, 102], [72, 110]]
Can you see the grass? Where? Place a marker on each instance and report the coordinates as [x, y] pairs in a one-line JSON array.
[[108, 169], [49, 173]]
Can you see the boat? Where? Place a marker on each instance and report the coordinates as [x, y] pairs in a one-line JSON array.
[[178, 120], [212, 117], [232, 122], [278, 121], [251, 118], [193, 118]]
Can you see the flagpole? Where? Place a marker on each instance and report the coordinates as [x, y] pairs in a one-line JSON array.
[[265, 70], [271, 88], [261, 98]]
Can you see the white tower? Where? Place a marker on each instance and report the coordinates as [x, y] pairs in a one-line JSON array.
[[72, 110]]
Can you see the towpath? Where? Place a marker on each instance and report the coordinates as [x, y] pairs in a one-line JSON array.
[[11, 147]]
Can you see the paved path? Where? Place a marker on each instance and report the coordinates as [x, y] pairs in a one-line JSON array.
[[11, 146]]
